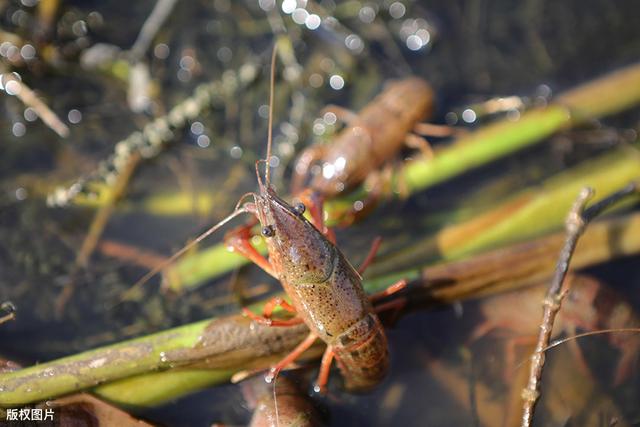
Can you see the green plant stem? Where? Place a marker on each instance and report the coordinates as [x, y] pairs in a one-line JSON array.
[[209, 352], [530, 213], [606, 95]]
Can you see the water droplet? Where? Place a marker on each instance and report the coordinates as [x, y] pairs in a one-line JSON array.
[[316, 80], [74, 116], [30, 114], [414, 42], [19, 129], [28, 52], [161, 51], [469, 116], [79, 28], [367, 14], [299, 16], [235, 152], [330, 118], [336, 82], [328, 170], [313, 21], [197, 128], [318, 129], [263, 111], [266, 5], [187, 62], [21, 194], [354, 43], [425, 36], [397, 10], [224, 54], [451, 118], [183, 75], [513, 115], [203, 141], [288, 6], [12, 87]]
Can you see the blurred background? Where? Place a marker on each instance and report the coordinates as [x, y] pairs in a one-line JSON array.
[[82, 81]]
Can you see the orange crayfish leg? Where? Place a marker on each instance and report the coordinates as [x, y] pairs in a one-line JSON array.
[[415, 141], [325, 367], [239, 240], [314, 201], [437, 131], [309, 157], [343, 114], [371, 255], [267, 312], [291, 357]]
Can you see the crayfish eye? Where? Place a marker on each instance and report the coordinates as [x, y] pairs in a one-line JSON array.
[[299, 208], [268, 231]]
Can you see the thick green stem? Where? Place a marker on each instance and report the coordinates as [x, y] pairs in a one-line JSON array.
[[209, 352], [606, 95], [530, 213], [223, 345]]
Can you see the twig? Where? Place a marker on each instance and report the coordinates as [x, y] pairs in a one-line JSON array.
[[150, 28], [13, 86], [150, 141], [577, 221], [96, 229], [10, 311]]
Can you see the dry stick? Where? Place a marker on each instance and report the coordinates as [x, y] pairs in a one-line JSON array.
[[29, 98], [577, 221], [96, 229], [10, 309], [150, 28], [153, 138]]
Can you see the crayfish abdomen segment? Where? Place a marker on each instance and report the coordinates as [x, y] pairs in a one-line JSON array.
[[362, 354]]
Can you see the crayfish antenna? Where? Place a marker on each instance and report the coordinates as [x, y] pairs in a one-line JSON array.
[[267, 160], [246, 208]]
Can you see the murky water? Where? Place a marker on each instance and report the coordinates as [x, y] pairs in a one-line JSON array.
[[468, 50]]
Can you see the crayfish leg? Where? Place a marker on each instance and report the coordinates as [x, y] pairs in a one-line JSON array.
[[420, 143], [438, 131], [239, 240], [309, 157], [291, 357], [267, 312], [371, 255], [343, 114], [315, 203], [268, 321], [396, 287], [325, 367]]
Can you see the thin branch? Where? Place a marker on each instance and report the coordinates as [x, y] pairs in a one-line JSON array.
[[152, 139], [10, 312], [577, 220], [150, 28], [14, 86]]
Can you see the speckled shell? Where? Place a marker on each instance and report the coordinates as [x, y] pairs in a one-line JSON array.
[[294, 407], [326, 291], [377, 135]]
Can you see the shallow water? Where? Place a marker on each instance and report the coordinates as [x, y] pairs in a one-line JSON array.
[[476, 50]]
